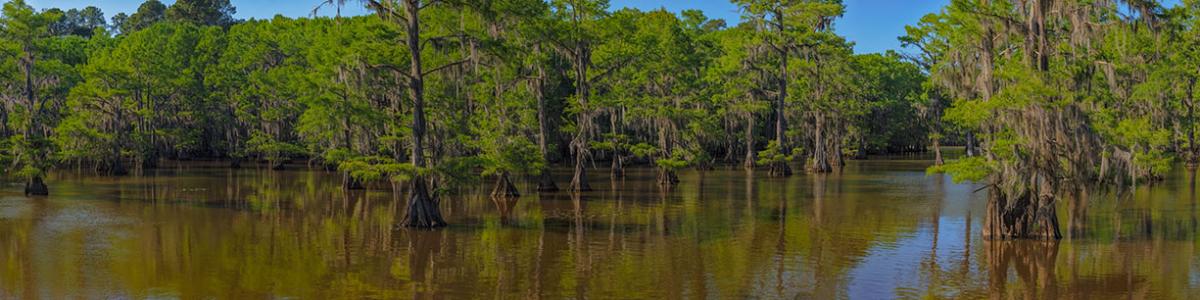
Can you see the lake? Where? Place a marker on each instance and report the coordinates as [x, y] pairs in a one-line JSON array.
[[879, 229]]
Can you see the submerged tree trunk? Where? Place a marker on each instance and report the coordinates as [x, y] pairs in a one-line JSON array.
[[546, 182], [504, 188], [579, 180], [779, 169], [351, 183], [504, 206], [115, 166], [1023, 214], [667, 177], [820, 152], [423, 211], [617, 168], [36, 187]]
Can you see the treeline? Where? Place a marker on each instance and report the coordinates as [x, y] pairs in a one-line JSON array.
[[437, 93]]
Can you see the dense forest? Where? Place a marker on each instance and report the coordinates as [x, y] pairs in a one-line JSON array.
[[1049, 97]]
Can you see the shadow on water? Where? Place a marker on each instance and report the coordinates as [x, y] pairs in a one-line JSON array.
[[878, 229]]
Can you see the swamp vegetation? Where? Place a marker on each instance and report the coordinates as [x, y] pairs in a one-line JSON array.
[[569, 149], [1051, 98]]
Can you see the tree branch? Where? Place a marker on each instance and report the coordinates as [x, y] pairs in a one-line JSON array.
[[459, 62], [460, 36], [398, 70], [390, 11]]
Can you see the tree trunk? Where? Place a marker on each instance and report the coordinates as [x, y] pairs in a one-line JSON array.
[[1025, 214], [504, 206], [970, 147], [937, 152], [618, 169], [748, 162], [546, 182], [4, 131], [861, 154], [30, 97], [584, 117], [579, 180], [667, 177], [504, 187], [351, 183], [1192, 153], [423, 211], [152, 157], [836, 158], [36, 187], [781, 169], [115, 166], [820, 156]]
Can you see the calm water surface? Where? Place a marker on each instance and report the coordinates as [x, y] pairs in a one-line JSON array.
[[879, 229]]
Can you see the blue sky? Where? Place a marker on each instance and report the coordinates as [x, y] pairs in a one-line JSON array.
[[246, 9], [872, 25]]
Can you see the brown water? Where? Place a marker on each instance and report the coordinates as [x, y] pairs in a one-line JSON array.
[[880, 229]]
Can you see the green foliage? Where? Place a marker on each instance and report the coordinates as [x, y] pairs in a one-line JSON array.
[[971, 114], [678, 160], [373, 168], [773, 154], [273, 150], [148, 13], [643, 150], [456, 172], [974, 169], [890, 115], [517, 156], [24, 156], [186, 80], [205, 12], [1146, 143]]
